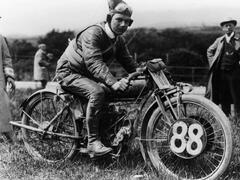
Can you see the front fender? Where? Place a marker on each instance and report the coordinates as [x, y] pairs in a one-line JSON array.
[[146, 118], [143, 130], [149, 112], [144, 125]]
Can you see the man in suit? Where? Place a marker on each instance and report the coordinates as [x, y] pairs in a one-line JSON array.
[[224, 80]]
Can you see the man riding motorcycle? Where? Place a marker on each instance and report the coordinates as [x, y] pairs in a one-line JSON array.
[[83, 68]]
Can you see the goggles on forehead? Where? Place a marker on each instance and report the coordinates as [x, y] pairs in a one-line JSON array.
[[122, 8]]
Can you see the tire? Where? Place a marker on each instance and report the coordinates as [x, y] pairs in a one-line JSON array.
[[215, 156], [50, 148]]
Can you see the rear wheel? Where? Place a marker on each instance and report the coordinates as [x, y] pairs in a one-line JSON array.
[[197, 145], [39, 111]]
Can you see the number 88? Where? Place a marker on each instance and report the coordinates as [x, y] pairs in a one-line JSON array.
[[180, 130]]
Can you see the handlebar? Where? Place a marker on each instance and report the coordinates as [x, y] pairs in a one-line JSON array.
[[182, 85]]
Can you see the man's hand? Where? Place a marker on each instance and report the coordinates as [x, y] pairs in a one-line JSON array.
[[10, 86], [120, 85], [141, 69]]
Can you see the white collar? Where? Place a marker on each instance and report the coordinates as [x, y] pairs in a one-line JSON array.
[[109, 31], [228, 38]]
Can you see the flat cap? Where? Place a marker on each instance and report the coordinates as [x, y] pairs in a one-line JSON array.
[[228, 20]]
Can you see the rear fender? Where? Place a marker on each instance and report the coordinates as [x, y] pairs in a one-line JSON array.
[[42, 91]]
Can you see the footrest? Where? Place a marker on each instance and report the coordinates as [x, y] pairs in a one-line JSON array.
[[15, 123], [83, 150]]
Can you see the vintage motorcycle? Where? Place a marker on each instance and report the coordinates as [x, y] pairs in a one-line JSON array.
[[182, 135]]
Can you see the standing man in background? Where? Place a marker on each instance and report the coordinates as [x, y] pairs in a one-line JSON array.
[[7, 85], [224, 80], [41, 65]]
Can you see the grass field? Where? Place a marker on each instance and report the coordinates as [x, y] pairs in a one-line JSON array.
[[15, 163]]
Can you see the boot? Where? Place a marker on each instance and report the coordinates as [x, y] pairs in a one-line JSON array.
[[96, 148]]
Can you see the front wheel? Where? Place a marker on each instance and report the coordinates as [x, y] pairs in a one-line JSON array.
[[197, 145]]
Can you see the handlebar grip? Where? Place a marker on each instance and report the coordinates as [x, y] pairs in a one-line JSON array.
[[182, 84], [133, 75]]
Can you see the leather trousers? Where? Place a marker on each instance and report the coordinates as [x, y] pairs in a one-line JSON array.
[[97, 94]]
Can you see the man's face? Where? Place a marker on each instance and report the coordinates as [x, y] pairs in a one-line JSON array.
[[120, 23], [228, 28], [44, 48]]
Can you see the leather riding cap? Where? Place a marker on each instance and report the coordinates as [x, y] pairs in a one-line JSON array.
[[119, 7]]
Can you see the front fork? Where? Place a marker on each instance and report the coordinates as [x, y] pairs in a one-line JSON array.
[[165, 95]]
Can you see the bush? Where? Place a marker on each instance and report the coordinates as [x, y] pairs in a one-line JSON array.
[[187, 66]]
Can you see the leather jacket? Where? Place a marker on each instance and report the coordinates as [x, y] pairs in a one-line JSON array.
[[90, 53]]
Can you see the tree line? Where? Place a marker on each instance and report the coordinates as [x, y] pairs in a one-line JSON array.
[[178, 47]]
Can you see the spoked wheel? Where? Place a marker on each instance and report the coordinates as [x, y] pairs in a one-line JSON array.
[[197, 145], [44, 146]]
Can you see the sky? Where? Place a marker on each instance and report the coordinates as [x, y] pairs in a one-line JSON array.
[[37, 17]]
